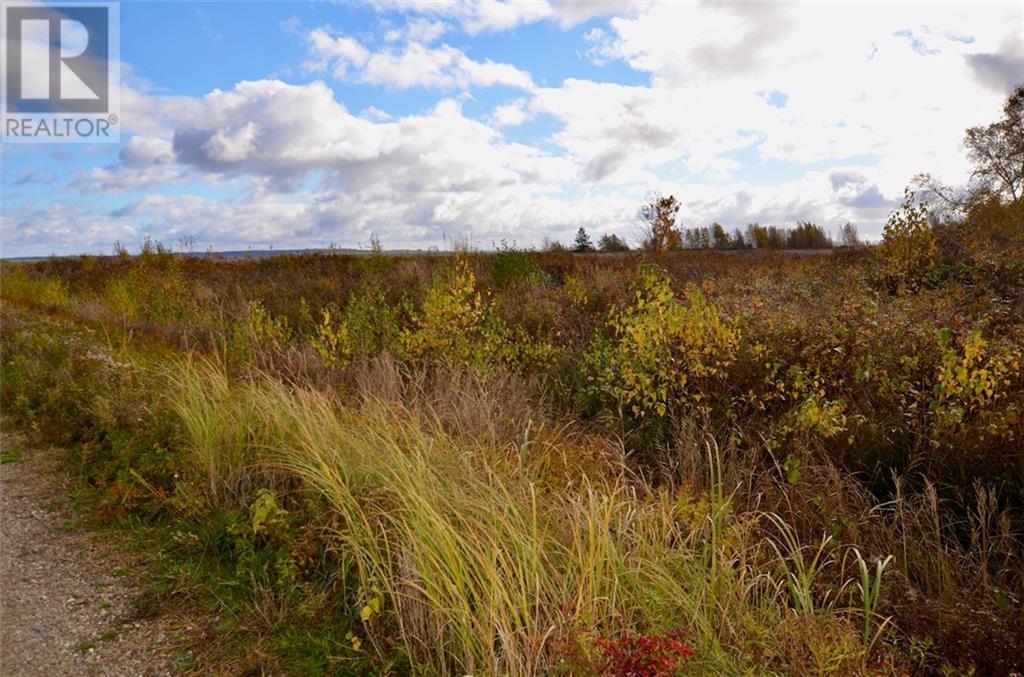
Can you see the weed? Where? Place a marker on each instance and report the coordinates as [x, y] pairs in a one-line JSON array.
[[12, 455]]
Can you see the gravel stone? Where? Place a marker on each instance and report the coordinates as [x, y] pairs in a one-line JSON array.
[[66, 600]]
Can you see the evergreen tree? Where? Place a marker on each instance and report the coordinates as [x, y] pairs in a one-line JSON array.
[[582, 242]]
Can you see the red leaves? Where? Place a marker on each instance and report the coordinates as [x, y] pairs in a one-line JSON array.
[[644, 655]]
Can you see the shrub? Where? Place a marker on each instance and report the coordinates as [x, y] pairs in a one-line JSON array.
[[659, 353], [970, 380], [514, 268], [367, 326], [448, 326], [454, 327], [46, 293], [909, 247], [644, 655], [331, 340]]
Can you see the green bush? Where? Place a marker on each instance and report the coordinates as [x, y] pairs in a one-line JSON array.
[[660, 354]]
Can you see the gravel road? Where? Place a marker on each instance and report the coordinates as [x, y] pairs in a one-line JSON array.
[[65, 599]]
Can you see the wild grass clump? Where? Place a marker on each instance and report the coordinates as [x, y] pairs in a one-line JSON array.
[[457, 550]]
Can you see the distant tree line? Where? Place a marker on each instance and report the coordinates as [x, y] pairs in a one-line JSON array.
[[804, 236], [660, 233]]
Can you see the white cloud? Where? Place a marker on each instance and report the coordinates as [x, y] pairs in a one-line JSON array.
[[147, 150], [350, 176], [882, 79], [271, 127], [119, 178], [413, 177], [412, 180], [419, 30], [148, 112], [619, 133], [145, 162], [480, 16], [891, 83], [415, 65], [260, 222], [376, 114], [60, 227], [339, 52], [475, 16], [511, 114]]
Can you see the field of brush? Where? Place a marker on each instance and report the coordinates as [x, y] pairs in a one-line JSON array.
[[546, 463]]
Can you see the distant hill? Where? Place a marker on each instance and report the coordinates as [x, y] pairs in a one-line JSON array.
[[249, 253]]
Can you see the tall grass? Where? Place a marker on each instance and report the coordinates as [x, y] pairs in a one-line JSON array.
[[219, 428], [454, 544]]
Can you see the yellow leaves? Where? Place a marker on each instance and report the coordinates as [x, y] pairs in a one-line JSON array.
[[574, 291], [820, 415], [332, 340], [449, 319], [454, 325], [658, 346], [118, 296], [909, 248], [264, 329], [371, 608], [969, 379]]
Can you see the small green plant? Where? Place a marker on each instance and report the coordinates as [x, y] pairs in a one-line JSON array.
[[12, 454], [262, 541], [791, 469], [800, 571], [372, 323], [367, 326], [870, 587], [820, 415]]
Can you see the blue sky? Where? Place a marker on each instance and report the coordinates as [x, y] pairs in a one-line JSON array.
[[305, 124]]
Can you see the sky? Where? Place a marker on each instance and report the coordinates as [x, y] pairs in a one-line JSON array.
[[303, 124]]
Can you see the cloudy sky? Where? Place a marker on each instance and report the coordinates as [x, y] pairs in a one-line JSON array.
[[299, 125]]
